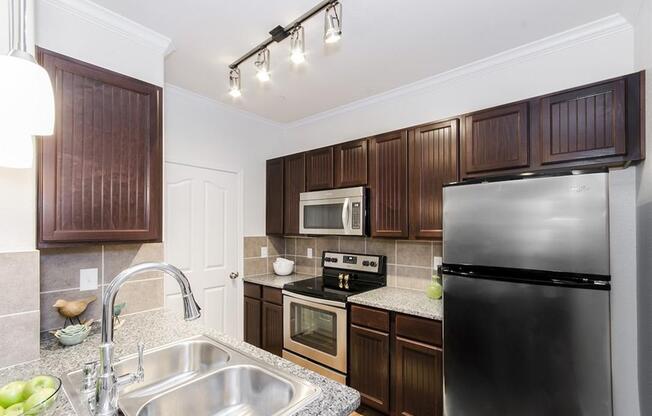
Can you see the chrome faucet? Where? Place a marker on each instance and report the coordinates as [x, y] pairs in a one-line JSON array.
[[104, 401]]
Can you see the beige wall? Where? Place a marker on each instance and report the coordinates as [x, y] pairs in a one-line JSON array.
[[60, 279], [409, 263]]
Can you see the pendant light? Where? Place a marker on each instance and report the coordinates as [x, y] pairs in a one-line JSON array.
[[333, 23], [297, 46], [262, 65], [26, 96]]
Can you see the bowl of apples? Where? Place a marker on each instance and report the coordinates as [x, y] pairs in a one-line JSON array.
[[29, 397]]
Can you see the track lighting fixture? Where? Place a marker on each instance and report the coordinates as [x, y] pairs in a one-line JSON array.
[[297, 48], [333, 23], [262, 65], [332, 34], [234, 83]]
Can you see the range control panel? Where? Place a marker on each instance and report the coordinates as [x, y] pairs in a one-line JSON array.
[[349, 261]]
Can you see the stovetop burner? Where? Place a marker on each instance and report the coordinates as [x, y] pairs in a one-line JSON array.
[[344, 275]]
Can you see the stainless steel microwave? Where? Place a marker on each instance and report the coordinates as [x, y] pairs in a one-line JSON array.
[[333, 212]]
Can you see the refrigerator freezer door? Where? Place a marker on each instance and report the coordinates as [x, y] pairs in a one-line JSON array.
[[523, 349], [553, 223]]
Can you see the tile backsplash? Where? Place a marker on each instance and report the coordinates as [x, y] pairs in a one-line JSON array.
[[409, 263], [60, 278]]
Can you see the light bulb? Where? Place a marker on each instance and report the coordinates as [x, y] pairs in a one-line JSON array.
[[262, 64], [234, 83], [298, 57], [297, 50], [333, 23]]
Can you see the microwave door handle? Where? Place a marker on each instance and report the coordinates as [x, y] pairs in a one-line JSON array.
[[345, 215]]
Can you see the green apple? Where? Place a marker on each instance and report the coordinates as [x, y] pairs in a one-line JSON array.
[[37, 383], [12, 393], [32, 406], [14, 410]]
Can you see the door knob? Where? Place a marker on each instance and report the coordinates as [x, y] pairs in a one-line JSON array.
[[234, 275]]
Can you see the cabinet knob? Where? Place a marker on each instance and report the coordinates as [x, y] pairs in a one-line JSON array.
[[234, 275]]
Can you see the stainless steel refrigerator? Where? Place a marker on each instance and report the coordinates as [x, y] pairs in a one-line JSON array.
[[526, 297]]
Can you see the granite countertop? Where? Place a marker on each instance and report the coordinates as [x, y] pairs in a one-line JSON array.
[[408, 301], [159, 328], [276, 281]]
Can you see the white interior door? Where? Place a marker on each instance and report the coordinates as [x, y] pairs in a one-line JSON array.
[[201, 238]]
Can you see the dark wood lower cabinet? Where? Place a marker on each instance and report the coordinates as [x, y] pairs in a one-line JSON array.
[[419, 380], [397, 366], [263, 317], [272, 328], [252, 310], [369, 368]]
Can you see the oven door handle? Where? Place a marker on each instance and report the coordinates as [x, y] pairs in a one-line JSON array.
[[346, 213], [326, 302]]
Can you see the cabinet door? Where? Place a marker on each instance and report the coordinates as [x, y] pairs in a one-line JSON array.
[[274, 197], [295, 183], [351, 164], [419, 383], [495, 139], [369, 366], [272, 328], [100, 174], [319, 169], [433, 163], [388, 178], [252, 321], [584, 123]]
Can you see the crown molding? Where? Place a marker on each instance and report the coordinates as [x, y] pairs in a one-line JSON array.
[[251, 116], [107, 19], [593, 30]]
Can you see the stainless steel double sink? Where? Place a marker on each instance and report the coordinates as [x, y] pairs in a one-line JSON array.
[[200, 376]]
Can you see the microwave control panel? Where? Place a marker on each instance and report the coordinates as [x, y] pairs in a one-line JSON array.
[[355, 215]]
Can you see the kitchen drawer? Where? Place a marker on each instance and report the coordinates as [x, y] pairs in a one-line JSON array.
[[272, 295], [419, 329], [252, 290], [370, 318]]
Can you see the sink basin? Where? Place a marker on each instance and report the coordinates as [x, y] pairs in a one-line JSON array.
[[200, 376], [173, 365], [238, 390]]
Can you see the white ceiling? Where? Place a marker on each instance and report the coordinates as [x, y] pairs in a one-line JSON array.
[[385, 44]]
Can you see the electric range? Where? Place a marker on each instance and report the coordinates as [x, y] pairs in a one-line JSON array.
[[315, 312]]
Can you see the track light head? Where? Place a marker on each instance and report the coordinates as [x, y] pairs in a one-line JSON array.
[[262, 65], [297, 45], [333, 22], [235, 90]]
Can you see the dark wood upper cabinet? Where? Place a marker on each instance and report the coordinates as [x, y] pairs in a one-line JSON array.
[[319, 169], [369, 366], [495, 139], [388, 158], [432, 163], [100, 174], [295, 183], [583, 123], [419, 378], [351, 164], [274, 196]]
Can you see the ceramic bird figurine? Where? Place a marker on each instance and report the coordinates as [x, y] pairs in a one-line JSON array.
[[71, 309], [117, 310]]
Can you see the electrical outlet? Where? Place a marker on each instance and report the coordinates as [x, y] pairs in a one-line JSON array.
[[309, 253], [263, 251], [87, 279], [437, 261]]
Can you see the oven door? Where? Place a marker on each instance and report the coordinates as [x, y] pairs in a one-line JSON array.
[[316, 329], [334, 212]]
